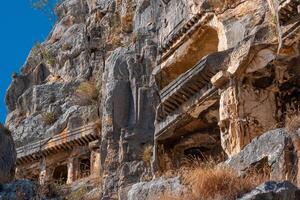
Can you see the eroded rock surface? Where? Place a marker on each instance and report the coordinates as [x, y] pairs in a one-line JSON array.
[[274, 149], [19, 190], [151, 190], [192, 79], [7, 156], [274, 190]]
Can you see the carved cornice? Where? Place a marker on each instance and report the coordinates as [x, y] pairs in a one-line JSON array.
[[177, 38], [61, 142]]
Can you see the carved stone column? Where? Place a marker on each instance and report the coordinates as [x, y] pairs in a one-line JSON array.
[[43, 172], [72, 170], [95, 159]]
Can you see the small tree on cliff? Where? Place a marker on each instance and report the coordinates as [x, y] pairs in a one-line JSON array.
[[46, 6]]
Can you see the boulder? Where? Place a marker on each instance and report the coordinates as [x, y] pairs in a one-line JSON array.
[[273, 190], [7, 156], [274, 149], [18, 190]]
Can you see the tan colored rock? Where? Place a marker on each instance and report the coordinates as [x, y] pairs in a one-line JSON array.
[[245, 113], [220, 79]]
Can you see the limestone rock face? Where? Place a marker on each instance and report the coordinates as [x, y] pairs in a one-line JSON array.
[[186, 78], [274, 190], [150, 190], [7, 156], [275, 149], [93, 42], [50, 76]]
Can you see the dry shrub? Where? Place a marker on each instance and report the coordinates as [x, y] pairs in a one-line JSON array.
[[207, 160], [127, 22], [78, 194], [208, 181], [87, 93], [48, 56], [219, 182], [49, 118], [52, 189], [98, 124], [114, 38], [127, 18], [169, 196], [292, 123], [147, 155]]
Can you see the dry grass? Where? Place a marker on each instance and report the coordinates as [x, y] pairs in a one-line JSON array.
[[98, 124], [127, 22], [49, 118], [78, 194], [213, 183], [114, 38], [47, 55], [87, 93], [147, 155], [52, 189], [292, 124], [127, 18], [169, 196], [208, 182]]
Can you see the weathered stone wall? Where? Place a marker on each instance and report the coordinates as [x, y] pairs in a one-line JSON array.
[[128, 51], [7, 156]]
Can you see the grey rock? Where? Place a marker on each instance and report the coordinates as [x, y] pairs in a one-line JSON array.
[[7, 156], [76, 50], [18, 190], [148, 190], [275, 148], [272, 190]]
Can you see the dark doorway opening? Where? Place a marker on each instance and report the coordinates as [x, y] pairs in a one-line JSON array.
[[60, 174], [197, 153], [85, 167]]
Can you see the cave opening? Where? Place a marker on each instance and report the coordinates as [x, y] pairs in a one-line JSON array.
[[197, 153], [60, 174], [84, 167]]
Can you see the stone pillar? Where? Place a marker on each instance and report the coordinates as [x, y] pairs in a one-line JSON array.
[[43, 172], [95, 163], [154, 160], [95, 158], [72, 170]]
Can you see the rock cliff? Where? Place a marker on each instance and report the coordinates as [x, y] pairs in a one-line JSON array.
[[187, 79], [7, 156]]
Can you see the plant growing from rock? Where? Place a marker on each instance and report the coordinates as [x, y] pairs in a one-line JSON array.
[[114, 37], [52, 189], [147, 155], [49, 118], [47, 55], [37, 47], [78, 194], [127, 18], [46, 7], [87, 93], [208, 181]]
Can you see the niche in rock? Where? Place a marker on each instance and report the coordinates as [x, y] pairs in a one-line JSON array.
[[60, 174]]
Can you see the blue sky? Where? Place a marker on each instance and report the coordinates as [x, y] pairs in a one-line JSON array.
[[21, 27]]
